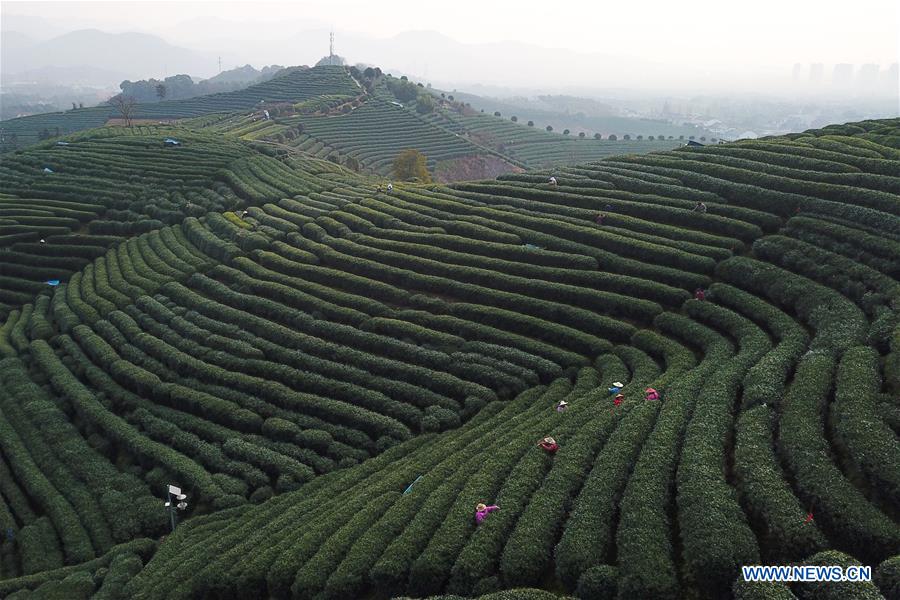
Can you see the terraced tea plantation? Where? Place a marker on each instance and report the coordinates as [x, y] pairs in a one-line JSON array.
[[376, 132], [65, 203], [536, 148], [336, 375], [291, 85], [325, 113]]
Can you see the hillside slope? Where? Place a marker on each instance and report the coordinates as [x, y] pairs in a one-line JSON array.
[[293, 85], [296, 367], [325, 112], [65, 203]]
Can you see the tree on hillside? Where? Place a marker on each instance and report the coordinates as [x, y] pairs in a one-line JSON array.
[[403, 90], [125, 105], [351, 163], [177, 87], [496, 113], [627, 136], [161, 91], [581, 134], [613, 137], [531, 123], [333, 59], [514, 119], [597, 136], [549, 127], [424, 104], [411, 165], [566, 132]]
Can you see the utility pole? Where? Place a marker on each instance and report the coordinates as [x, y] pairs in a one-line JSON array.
[[220, 64]]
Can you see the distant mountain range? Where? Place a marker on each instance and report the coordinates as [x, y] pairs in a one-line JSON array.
[[425, 55], [97, 56]]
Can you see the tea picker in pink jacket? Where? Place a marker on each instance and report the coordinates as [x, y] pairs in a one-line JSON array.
[[482, 510]]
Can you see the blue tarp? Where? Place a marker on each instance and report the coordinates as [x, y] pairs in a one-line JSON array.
[[409, 489], [53, 282], [171, 142]]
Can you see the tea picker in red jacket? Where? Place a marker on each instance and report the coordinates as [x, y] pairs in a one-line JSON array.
[[548, 444]]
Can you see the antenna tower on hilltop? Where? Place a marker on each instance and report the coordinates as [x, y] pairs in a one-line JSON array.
[[331, 47]]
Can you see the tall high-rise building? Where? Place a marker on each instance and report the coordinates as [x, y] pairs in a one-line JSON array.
[[889, 86], [797, 73], [816, 73], [842, 77], [867, 79], [890, 81]]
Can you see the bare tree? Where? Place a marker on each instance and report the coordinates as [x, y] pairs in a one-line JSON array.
[[125, 105]]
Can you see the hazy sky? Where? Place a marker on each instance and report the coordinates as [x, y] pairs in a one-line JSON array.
[[691, 46], [746, 34]]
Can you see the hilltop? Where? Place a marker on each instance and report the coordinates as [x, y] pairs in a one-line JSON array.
[[336, 374], [338, 113], [289, 85]]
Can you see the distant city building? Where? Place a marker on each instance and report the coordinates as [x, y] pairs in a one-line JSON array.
[[842, 77], [797, 74], [816, 73], [890, 80], [867, 79], [667, 109]]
